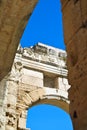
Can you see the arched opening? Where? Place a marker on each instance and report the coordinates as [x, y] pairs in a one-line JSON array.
[[76, 24], [48, 117], [45, 25], [38, 99]]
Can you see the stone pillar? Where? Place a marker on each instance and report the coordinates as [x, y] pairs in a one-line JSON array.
[[75, 32], [8, 96], [2, 103], [11, 99]]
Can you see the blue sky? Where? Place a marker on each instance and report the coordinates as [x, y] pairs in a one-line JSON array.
[[47, 117], [45, 25]]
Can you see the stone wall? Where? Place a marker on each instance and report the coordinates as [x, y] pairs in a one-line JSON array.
[[13, 19], [3, 93], [12, 24], [25, 87], [31, 89], [75, 32]]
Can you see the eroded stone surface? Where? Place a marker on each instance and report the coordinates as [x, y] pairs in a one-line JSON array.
[[74, 20], [75, 29], [25, 85], [13, 18]]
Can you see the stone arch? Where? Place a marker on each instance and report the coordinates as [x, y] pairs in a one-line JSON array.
[[75, 33], [36, 97], [36, 82]]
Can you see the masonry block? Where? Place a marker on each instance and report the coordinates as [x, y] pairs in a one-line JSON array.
[[32, 77], [32, 73], [22, 123], [34, 95], [62, 84], [32, 81], [27, 99]]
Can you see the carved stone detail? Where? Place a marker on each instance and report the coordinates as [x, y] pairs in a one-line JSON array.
[[38, 75], [16, 72]]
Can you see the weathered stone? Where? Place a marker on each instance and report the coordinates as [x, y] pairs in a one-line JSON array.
[[13, 18], [32, 73], [32, 81], [27, 99], [84, 11], [24, 86], [72, 19], [62, 83], [64, 2], [76, 60], [22, 123], [77, 56]]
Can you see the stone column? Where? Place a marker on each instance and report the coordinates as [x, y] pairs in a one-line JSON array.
[[11, 97], [75, 36], [2, 103]]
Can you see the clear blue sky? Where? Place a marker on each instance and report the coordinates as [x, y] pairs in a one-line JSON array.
[[45, 25], [47, 117]]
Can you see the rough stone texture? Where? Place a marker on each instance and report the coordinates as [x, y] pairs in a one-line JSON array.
[[2, 102], [31, 77], [24, 86], [75, 31], [13, 18]]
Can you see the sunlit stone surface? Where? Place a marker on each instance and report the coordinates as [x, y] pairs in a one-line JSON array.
[[12, 24], [75, 35], [14, 15], [38, 76]]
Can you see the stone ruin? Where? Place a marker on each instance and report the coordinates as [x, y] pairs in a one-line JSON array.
[[38, 76], [13, 19]]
